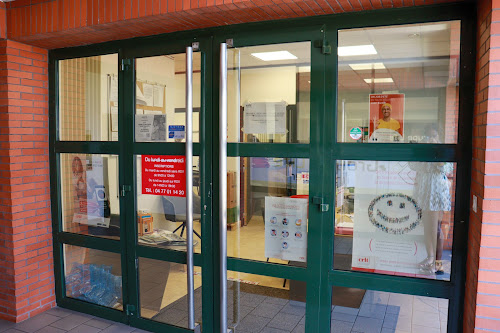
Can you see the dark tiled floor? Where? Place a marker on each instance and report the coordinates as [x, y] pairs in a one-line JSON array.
[[58, 320]]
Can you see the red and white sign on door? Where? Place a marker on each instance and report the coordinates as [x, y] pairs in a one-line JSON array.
[[164, 175]]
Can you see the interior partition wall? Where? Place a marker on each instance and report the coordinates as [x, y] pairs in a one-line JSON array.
[[373, 152]]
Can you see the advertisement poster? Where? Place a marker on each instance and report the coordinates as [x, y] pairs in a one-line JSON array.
[[388, 233], [91, 201], [386, 116], [265, 118], [150, 127], [164, 175], [286, 228]]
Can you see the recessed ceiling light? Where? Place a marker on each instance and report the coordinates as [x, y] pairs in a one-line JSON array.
[[363, 67], [380, 80], [356, 50], [274, 56]]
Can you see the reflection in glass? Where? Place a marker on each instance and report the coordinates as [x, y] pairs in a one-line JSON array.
[[161, 201], [269, 93], [163, 292], [88, 98], [267, 208], [359, 310], [395, 217], [257, 303], [93, 276], [160, 114], [394, 82], [90, 203]]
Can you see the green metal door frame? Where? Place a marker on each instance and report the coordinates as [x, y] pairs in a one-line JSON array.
[[322, 150]]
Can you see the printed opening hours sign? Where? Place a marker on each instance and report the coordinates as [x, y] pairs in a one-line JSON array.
[[164, 175]]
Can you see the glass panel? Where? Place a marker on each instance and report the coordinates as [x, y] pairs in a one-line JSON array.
[[269, 93], [258, 303], [395, 218], [94, 276], [399, 83], [161, 98], [88, 99], [267, 208], [90, 198], [163, 292], [359, 310], [161, 201]]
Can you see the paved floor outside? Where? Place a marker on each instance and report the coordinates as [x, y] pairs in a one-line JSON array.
[[58, 320], [379, 312]]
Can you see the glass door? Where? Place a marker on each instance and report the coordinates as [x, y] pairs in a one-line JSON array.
[[169, 176], [271, 178], [397, 168], [269, 181]]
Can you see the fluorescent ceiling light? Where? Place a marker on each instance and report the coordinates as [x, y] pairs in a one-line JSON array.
[[380, 80], [356, 50], [274, 56], [434, 27], [363, 67]]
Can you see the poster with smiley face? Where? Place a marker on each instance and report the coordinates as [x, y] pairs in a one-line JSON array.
[[388, 235], [386, 114], [286, 228]]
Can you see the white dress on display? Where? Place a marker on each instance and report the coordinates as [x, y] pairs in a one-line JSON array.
[[432, 187]]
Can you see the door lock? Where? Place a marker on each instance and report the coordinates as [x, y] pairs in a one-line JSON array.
[[322, 206]]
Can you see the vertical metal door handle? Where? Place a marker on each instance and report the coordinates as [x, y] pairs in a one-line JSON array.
[[189, 185], [223, 185]]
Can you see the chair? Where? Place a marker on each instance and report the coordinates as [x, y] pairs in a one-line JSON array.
[[174, 209]]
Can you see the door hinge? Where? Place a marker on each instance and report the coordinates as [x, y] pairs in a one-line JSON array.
[[125, 189], [324, 45], [125, 62], [130, 309]]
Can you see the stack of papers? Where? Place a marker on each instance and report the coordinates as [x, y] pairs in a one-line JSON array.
[[165, 238]]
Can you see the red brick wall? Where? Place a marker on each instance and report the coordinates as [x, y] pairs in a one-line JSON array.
[[62, 23], [26, 263], [482, 303]]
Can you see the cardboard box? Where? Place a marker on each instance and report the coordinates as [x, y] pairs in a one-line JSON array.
[[145, 223], [232, 189]]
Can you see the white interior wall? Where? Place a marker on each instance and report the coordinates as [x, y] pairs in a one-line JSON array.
[[109, 65], [180, 102]]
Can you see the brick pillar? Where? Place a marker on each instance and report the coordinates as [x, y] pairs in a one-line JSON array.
[[482, 302], [26, 263]]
